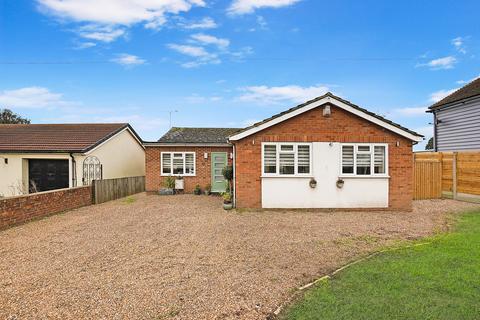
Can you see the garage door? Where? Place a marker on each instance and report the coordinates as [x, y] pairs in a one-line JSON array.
[[46, 174]]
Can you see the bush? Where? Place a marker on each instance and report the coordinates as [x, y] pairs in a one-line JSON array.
[[197, 190], [169, 183], [228, 172]]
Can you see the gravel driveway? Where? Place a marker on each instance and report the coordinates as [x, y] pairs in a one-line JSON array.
[[183, 257]]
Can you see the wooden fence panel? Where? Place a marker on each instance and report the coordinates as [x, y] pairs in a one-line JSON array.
[[468, 173], [427, 177], [111, 189]]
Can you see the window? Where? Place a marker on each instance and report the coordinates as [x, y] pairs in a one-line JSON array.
[[364, 159], [286, 159], [178, 163]]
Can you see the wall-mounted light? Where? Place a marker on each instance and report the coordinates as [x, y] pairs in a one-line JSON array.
[[326, 111], [231, 155], [5, 160], [205, 155], [397, 144]]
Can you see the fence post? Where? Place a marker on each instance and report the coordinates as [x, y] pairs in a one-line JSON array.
[[454, 175]]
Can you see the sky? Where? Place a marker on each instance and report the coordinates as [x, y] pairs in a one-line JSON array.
[[212, 63]]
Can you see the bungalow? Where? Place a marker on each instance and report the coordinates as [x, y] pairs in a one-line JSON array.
[[325, 153], [42, 157]]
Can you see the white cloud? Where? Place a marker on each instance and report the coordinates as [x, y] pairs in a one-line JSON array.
[[205, 23], [106, 20], [439, 95], [195, 98], [285, 94], [440, 63], [85, 45], [459, 44], [200, 53], [467, 81], [31, 97], [101, 33], [239, 7], [206, 39], [128, 60], [411, 111]]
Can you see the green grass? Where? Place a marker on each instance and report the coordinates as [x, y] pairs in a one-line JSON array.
[[129, 200], [440, 280]]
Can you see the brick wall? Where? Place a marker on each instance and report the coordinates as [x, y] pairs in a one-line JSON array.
[[15, 210], [312, 126], [154, 181]]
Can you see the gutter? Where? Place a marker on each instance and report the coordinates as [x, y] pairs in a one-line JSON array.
[[167, 144], [234, 178]]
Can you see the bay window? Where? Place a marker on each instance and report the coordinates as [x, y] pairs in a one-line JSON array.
[[178, 163], [286, 159], [364, 159]]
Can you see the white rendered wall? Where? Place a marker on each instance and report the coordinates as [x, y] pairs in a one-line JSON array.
[[295, 192]]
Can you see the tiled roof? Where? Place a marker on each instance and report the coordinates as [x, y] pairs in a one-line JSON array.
[[329, 94], [197, 135], [470, 90], [56, 137]]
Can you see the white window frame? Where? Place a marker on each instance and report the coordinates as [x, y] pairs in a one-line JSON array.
[[295, 152], [372, 158], [184, 164]]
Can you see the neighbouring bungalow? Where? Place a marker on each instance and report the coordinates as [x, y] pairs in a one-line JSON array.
[[325, 153], [42, 157]]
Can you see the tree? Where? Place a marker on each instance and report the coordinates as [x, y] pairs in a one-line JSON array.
[[429, 145], [7, 116]]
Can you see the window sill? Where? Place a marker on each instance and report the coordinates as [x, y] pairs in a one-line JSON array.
[[363, 177], [177, 175], [288, 176]]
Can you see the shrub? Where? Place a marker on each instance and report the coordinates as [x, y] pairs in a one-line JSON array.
[[169, 182]]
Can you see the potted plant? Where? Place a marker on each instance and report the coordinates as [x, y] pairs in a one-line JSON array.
[[208, 189], [228, 175], [227, 201], [197, 190], [169, 184]]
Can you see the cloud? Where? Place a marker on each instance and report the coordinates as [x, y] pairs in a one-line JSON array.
[[101, 33], [128, 60], [205, 23], [195, 98], [411, 111], [279, 95], [459, 44], [467, 81], [206, 39], [239, 7], [31, 97], [85, 45], [200, 53], [440, 63], [439, 95], [106, 20]]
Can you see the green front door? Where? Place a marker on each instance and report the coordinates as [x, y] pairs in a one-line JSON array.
[[219, 161]]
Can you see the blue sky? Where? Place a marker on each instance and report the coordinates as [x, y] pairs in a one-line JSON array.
[[230, 63]]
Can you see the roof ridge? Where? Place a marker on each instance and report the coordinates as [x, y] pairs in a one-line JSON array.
[[444, 100]]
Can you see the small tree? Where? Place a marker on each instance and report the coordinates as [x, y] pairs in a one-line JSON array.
[[228, 174], [429, 145], [7, 116]]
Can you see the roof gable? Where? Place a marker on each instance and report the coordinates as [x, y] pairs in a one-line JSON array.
[[58, 137], [328, 98], [470, 90]]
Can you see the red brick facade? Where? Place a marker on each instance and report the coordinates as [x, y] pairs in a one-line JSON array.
[[312, 126], [16, 210], [154, 180]]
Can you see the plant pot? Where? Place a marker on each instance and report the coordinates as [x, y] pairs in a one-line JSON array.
[[166, 192], [207, 192], [228, 206], [197, 192]]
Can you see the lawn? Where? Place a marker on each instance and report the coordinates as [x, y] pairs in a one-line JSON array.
[[440, 280]]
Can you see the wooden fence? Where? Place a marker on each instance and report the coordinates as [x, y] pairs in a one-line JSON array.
[[111, 189], [447, 174]]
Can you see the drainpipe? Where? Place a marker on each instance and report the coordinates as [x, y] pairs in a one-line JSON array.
[[74, 171], [435, 147], [234, 179]]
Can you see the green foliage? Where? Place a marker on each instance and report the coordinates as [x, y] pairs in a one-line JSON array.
[[227, 197], [169, 182], [228, 173], [429, 145], [7, 116], [440, 280], [208, 187], [129, 200], [197, 189]]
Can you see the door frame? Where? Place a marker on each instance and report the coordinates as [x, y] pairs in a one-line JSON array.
[[212, 169]]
